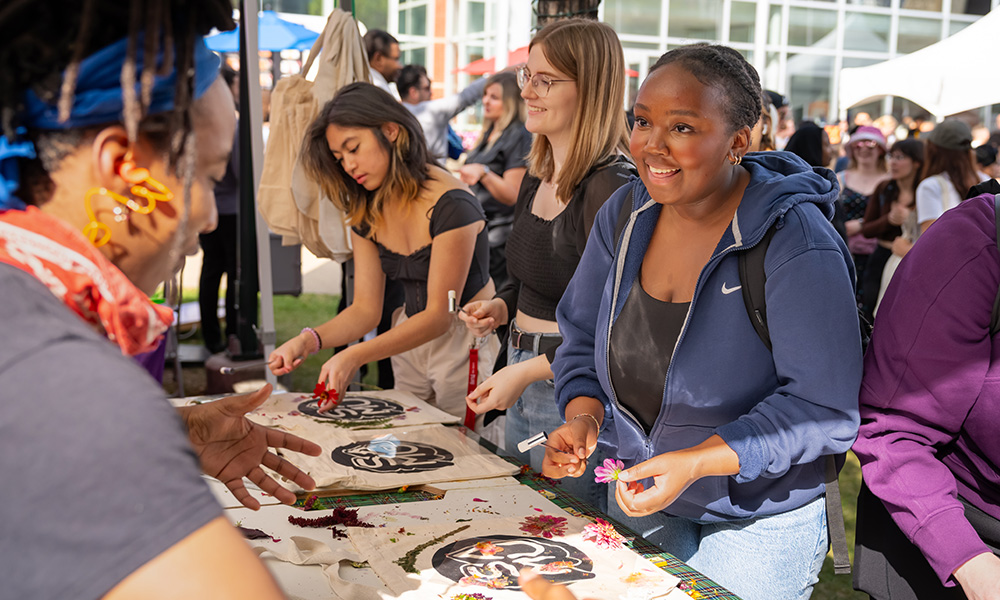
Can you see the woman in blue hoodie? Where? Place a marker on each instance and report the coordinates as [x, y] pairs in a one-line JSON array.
[[724, 441]]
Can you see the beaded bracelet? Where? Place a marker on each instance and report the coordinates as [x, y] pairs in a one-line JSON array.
[[319, 341], [592, 417]]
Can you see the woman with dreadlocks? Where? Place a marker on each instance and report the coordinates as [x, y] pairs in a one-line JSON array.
[[115, 125]]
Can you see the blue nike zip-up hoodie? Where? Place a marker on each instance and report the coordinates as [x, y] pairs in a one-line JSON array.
[[781, 412]]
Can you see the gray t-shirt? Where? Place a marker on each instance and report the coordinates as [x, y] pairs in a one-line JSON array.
[[96, 474]]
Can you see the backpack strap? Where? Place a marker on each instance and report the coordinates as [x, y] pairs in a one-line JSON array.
[[752, 280], [995, 317], [623, 214]]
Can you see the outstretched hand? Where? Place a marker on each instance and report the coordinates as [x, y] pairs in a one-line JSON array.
[[231, 447]]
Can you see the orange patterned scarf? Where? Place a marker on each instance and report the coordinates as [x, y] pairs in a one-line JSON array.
[[82, 278]]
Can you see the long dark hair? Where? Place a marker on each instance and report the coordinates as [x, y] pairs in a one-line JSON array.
[[365, 106], [807, 143], [888, 191], [958, 164]]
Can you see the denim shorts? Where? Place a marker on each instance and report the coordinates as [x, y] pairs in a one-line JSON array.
[[536, 411], [773, 557]]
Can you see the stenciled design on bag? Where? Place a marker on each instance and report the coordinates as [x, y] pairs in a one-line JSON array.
[[411, 457], [354, 409], [466, 562]]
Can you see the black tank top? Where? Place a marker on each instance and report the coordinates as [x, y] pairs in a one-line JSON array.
[[642, 344]]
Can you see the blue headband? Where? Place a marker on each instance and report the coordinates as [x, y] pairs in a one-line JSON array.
[[97, 101]]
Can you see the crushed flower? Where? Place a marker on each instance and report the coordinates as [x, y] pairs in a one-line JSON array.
[[256, 534], [544, 525], [339, 516], [557, 566], [609, 471], [310, 502], [495, 583], [603, 534], [488, 548], [476, 596]]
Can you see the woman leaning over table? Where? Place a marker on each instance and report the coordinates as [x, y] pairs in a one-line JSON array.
[[495, 167], [660, 362], [412, 221], [573, 85], [111, 190]]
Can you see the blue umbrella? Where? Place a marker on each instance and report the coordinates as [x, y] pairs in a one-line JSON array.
[[273, 34]]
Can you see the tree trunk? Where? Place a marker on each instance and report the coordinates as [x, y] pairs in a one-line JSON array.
[[555, 10]]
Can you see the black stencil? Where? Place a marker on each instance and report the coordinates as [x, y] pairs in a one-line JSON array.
[[462, 559], [411, 457], [355, 408]]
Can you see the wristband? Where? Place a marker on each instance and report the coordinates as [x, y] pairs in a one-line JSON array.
[[319, 341], [592, 418]]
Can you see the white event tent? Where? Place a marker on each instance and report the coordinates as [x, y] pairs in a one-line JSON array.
[[945, 78]]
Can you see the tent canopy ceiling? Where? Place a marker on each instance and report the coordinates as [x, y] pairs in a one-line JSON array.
[[944, 78]]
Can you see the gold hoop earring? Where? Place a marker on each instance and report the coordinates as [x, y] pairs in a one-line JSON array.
[[143, 186], [735, 159]]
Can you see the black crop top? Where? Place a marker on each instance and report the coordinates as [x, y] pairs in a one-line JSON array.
[[454, 209], [542, 255]]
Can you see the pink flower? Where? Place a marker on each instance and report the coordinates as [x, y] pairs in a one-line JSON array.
[[609, 472], [544, 525], [603, 534]]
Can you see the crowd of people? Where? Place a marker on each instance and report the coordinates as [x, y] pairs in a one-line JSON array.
[[607, 254]]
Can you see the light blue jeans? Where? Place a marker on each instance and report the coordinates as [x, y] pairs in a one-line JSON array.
[[776, 557], [536, 411]]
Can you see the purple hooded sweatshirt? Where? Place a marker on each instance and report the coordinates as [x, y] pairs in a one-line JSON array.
[[930, 384]]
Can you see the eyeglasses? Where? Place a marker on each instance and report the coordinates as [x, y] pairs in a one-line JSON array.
[[540, 83], [866, 144]]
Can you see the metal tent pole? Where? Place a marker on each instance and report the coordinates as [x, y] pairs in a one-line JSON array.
[[253, 229]]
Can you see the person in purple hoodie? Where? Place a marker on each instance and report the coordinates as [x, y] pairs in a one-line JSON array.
[[930, 404]]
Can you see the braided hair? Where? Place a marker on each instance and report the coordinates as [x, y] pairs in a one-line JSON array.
[[41, 43], [45, 42], [726, 69]]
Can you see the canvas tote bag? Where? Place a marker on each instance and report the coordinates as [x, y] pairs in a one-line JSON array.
[[292, 204]]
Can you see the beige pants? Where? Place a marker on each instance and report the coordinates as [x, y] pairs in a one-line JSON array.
[[437, 372]]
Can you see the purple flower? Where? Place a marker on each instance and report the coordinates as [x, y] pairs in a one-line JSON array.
[[610, 471]]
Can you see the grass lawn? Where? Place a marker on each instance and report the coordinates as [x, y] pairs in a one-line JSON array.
[[291, 314]]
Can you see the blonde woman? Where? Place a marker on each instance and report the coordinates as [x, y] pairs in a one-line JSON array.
[[495, 167], [412, 221], [574, 88]]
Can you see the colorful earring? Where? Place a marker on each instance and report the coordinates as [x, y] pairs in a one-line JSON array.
[[143, 186]]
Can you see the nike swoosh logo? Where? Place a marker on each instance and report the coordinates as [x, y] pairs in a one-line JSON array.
[[727, 291]]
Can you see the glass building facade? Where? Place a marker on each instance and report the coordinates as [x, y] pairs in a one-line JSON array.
[[797, 46]]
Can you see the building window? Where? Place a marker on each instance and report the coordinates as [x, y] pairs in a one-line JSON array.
[[915, 34], [930, 5], [970, 7], [413, 20], [809, 26], [476, 20], [867, 32], [742, 18], [809, 84], [698, 20], [636, 17]]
